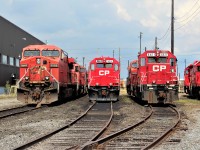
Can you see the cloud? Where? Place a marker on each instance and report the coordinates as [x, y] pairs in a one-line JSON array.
[[121, 11]]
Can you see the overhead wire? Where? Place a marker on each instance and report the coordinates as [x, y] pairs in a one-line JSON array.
[[189, 10]]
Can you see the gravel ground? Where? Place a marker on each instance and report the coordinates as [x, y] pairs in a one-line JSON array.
[[6, 103], [21, 128], [186, 135], [18, 129]]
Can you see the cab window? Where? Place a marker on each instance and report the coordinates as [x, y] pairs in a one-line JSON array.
[[198, 68], [151, 59], [51, 53], [100, 65], [172, 62], [31, 53], [116, 67], [92, 67], [134, 65], [142, 62]]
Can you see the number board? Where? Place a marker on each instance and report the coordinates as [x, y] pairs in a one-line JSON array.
[[109, 61], [164, 54], [151, 54], [99, 61]]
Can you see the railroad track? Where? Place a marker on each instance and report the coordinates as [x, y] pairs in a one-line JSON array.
[[15, 111], [142, 135], [87, 127]]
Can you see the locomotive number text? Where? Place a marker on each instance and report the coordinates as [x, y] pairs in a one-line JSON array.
[[104, 72], [158, 68]]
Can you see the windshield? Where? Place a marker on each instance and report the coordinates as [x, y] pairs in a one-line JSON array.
[[157, 60], [53, 53], [134, 65], [107, 65], [82, 70], [31, 53]]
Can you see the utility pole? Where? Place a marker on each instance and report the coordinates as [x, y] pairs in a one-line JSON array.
[[172, 28], [140, 41], [156, 43], [83, 61], [185, 63], [119, 56], [128, 62], [113, 53]]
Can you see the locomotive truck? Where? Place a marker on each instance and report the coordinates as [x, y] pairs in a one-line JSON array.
[[156, 79], [104, 79], [45, 75]]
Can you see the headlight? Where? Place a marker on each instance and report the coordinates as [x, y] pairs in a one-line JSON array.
[[38, 60], [47, 78], [172, 70], [26, 78]]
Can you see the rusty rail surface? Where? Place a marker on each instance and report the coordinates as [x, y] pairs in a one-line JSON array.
[[15, 111], [165, 133]]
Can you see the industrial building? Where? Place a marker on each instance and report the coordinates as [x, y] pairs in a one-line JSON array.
[[12, 40]]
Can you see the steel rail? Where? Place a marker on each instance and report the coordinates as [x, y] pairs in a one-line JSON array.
[[166, 133], [89, 145], [102, 130], [15, 113], [43, 137]]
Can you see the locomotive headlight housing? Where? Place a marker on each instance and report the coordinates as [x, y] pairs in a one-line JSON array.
[[97, 84], [153, 81], [26, 78], [167, 82], [172, 70], [111, 84], [46, 78], [38, 60]]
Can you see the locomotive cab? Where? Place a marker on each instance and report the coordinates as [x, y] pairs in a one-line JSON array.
[[43, 74], [104, 79], [157, 80]]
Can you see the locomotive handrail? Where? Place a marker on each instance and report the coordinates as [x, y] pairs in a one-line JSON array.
[[22, 78]]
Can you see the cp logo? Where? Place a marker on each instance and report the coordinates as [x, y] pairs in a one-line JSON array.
[[157, 68], [104, 72]]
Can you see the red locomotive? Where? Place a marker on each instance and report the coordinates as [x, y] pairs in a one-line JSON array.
[[187, 79], [193, 84], [156, 80], [45, 75], [132, 76], [104, 79], [77, 76]]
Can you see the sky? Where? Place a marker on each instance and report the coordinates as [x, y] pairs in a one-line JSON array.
[[93, 28]]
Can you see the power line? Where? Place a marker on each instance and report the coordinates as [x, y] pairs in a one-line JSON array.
[[189, 10], [165, 32], [189, 16], [187, 21]]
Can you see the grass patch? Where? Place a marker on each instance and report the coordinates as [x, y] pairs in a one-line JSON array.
[[3, 96], [188, 101]]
